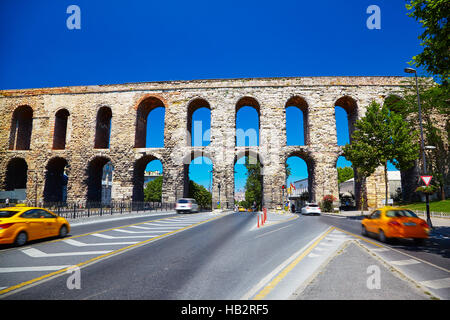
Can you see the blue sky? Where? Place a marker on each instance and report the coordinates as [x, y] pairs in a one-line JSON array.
[[136, 41]]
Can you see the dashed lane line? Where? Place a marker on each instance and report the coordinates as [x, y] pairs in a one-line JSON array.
[[82, 244], [36, 253], [30, 269]]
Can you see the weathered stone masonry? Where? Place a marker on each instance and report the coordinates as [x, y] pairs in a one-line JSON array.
[[316, 96]]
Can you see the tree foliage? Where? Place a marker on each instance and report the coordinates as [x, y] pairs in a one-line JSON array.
[[435, 105], [153, 190], [433, 16], [345, 174], [381, 136], [200, 194], [253, 185]]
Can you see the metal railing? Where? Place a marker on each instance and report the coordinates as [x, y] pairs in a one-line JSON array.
[[76, 210], [433, 214]]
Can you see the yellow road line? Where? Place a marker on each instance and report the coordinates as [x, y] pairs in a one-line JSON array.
[[84, 263], [362, 238], [268, 288]]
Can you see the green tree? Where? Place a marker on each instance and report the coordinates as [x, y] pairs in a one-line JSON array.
[[433, 16], [253, 187], [200, 194], [435, 104], [381, 136], [153, 190], [344, 174]]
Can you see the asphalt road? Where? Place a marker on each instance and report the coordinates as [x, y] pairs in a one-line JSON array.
[[198, 256], [436, 250]]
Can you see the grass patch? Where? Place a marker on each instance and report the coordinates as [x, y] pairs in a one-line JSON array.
[[436, 206]]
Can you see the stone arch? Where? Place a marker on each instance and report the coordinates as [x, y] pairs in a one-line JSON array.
[[350, 106], [138, 175], [103, 128], [94, 173], [143, 109], [60, 129], [254, 157], [192, 156], [253, 103], [21, 127], [311, 169], [394, 103], [16, 174], [302, 105], [55, 187], [194, 105]]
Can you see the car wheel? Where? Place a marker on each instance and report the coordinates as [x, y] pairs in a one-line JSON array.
[[63, 231], [382, 236], [364, 231], [21, 239]]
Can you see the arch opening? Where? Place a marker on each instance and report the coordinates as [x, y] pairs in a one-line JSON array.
[[346, 113], [60, 129], [297, 126], [150, 117], [21, 127], [56, 178], [103, 128], [247, 123], [16, 179], [100, 178], [147, 179], [198, 123], [249, 180], [299, 181]]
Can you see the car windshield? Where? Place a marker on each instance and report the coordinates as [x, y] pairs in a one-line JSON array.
[[401, 213], [312, 205], [7, 213], [183, 201]]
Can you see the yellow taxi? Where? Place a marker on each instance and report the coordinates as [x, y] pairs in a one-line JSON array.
[[20, 224], [242, 209], [395, 222]]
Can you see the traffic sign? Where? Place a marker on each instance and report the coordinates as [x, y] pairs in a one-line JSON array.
[[426, 179]]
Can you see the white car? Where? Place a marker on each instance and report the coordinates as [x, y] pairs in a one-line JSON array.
[[311, 208], [186, 205]]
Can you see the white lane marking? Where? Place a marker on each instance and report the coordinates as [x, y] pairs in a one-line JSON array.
[[30, 269], [166, 225], [82, 244], [313, 255], [105, 236], [404, 262], [380, 249], [319, 249], [437, 284], [35, 253], [139, 227], [139, 232], [266, 233], [326, 244]]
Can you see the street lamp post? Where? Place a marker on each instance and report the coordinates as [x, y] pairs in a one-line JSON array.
[[422, 145]]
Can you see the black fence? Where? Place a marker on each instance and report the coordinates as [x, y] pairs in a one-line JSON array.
[[76, 210]]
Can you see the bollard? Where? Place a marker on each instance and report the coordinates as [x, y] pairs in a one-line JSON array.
[[257, 216]]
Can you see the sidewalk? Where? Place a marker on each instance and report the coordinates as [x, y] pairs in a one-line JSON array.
[[350, 275]]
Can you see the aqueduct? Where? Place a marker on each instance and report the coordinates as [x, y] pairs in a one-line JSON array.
[[77, 130]]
